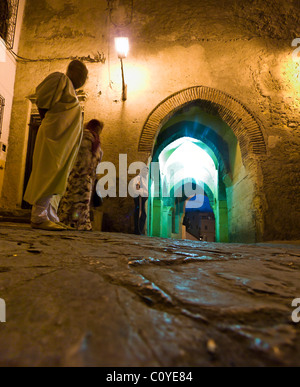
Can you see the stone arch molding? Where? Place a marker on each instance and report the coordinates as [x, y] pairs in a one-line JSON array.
[[234, 113]]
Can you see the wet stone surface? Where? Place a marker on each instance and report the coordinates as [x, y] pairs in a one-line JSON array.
[[97, 299]]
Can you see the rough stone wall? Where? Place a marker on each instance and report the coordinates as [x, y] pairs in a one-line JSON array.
[[240, 47]]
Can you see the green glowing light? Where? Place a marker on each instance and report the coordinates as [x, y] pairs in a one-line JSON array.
[[185, 159]]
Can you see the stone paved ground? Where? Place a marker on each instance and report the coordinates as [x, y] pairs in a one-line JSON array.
[[97, 299]]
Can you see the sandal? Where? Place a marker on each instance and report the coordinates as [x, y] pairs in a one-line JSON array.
[[47, 225]]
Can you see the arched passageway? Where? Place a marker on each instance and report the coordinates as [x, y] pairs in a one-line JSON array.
[[194, 146], [187, 168]]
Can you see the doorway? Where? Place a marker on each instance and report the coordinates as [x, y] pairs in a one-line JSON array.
[[35, 122]]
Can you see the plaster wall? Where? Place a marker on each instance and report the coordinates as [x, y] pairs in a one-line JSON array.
[[241, 47], [240, 200], [8, 67]]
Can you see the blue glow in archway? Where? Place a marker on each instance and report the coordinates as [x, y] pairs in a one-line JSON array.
[[187, 168], [185, 160]]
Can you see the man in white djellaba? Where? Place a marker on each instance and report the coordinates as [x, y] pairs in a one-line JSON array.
[[57, 144]]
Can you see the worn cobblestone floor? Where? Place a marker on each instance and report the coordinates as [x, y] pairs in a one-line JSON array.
[[99, 299]]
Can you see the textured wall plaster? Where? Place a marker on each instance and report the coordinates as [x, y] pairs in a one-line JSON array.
[[7, 79]]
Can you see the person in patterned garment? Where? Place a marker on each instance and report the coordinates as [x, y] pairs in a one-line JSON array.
[[74, 208]]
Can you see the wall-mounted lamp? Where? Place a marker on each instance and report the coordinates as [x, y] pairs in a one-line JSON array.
[[122, 47]]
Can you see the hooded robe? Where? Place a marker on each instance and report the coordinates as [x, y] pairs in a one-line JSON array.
[[58, 138]]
